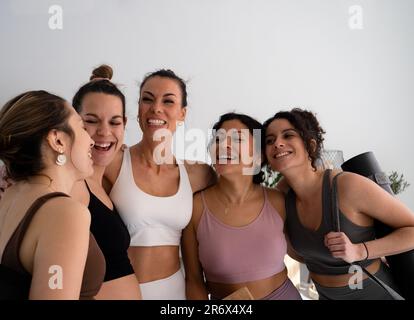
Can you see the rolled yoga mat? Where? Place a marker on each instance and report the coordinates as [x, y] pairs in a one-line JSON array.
[[402, 265]]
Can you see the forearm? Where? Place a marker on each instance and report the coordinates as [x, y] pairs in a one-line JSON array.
[[400, 240], [196, 290]]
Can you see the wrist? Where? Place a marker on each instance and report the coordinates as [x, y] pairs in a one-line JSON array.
[[363, 251]]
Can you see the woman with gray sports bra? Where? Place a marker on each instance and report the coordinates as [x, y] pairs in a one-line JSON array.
[[46, 249], [235, 238], [293, 142], [153, 191]]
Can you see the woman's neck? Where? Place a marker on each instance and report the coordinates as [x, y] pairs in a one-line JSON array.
[[55, 180], [154, 153], [98, 173], [305, 181], [235, 190]]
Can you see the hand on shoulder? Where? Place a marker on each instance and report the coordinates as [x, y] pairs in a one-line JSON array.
[[201, 175]]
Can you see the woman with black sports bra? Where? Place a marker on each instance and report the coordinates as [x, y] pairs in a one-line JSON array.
[[293, 143], [102, 107]]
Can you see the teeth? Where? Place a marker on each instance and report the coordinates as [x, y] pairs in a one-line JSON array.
[[157, 122], [282, 154], [90, 154], [226, 158], [103, 145]]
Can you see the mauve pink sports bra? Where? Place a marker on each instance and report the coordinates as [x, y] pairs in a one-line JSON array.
[[241, 254]]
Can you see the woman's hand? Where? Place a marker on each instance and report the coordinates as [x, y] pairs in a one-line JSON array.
[[341, 247]]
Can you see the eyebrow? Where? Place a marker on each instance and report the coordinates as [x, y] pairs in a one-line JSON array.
[[239, 131], [165, 95], [286, 130], [290, 129], [95, 116]]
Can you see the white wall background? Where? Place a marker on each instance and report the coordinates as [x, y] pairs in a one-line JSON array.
[[254, 57]]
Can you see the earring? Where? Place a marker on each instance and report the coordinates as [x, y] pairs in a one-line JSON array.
[[180, 123], [61, 158]]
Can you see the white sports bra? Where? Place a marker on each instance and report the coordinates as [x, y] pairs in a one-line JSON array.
[[152, 220]]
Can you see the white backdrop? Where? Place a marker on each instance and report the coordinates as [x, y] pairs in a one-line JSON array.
[[355, 69]]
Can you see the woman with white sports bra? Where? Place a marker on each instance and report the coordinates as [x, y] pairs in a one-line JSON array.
[[153, 192]]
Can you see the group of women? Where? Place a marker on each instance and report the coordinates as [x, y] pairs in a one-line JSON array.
[[115, 221]]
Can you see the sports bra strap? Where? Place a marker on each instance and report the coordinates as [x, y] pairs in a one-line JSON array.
[[11, 254]]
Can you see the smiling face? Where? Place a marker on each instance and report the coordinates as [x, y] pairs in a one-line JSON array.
[[284, 146], [160, 105], [232, 149], [102, 115]]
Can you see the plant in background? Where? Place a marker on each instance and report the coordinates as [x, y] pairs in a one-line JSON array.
[[398, 183], [271, 178]]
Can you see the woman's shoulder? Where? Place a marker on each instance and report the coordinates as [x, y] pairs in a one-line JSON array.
[[63, 208], [60, 218], [277, 200], [274, 193], [200, 174], [113, 170], [349, 180]]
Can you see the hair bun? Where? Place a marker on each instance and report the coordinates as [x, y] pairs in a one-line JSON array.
[[102, 72]]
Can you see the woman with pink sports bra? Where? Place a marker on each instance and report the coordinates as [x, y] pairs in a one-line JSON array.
[[235, 237], [153, 191]]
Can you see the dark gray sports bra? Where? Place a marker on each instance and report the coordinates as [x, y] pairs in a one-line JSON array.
[[310, 245]]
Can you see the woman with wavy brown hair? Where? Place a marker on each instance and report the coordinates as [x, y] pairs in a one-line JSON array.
[[46, 249], [293, 142]]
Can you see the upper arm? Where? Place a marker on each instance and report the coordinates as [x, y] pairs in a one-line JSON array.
[[193, 268], [201, 175], [61, 251], [366, 197]]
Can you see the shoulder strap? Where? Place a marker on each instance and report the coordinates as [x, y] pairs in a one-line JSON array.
[[203, 200], [337, 227], [87, 186], [11, 254], [335, 203]]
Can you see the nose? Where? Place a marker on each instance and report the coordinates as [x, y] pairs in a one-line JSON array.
[[224, 143], [156, 107], [104, 129], [279, 142], [92, 143]]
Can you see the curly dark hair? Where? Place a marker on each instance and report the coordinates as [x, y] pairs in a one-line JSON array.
[[308, 127]]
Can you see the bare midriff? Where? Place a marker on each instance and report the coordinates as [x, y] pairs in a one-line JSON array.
[[259, 288], [342, 280], [154, 263]]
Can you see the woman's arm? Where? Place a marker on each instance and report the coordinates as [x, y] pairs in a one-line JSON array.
[[201, 175], [61, 250], [194, 278], [277, 199], [365, 197]]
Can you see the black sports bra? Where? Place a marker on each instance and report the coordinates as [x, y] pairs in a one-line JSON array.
[[112, 237]]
